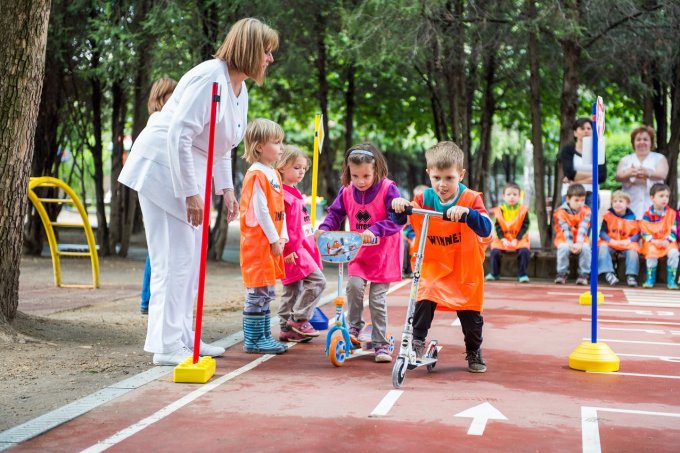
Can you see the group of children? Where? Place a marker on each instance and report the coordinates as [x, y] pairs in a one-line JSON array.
[[655, 236], [278, 242]]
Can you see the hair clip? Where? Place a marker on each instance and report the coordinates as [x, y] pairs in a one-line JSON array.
[[362, 152]]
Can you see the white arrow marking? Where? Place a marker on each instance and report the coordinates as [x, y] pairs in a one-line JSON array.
[[456, 322], [480, 414]]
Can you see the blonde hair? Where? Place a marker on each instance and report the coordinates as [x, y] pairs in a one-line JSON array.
[[291, 153], [260, 131], [621, 194], [245, 47], [160, 89], [445, 155]]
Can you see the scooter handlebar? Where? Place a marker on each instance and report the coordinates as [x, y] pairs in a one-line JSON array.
[[410, 210]]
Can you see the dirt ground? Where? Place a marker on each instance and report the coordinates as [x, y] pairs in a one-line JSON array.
[[73, 342]]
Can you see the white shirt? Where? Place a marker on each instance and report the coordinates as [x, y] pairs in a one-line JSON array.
[[639, 189], [168, 161], [579, 166], [258, 211]]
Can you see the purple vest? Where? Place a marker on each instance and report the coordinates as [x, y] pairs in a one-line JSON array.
[[300, 238], [375, 263]]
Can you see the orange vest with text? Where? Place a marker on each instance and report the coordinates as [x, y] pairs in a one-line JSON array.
[[452, 272], [620, 229], [258, 266], [510, 230], [573, 221], [658, 230]]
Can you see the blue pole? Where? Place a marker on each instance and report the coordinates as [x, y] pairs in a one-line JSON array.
[[594, 230]]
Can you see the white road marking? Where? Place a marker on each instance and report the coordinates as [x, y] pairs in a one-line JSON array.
[[664, 358], [590, 430], [622, 321], [638, 312], [618, 373], [660, 343], [385, 405], [456, 322], [480, 415], [649, 331]]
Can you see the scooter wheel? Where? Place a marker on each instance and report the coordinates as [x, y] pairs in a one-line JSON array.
[[337, 351], [433, 355], [390, 339], [399, 372]]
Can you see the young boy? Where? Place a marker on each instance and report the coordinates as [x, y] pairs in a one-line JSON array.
[[659, 236], [620, 233], [512, 226], [452, 272], [263, 234], [572, 223]]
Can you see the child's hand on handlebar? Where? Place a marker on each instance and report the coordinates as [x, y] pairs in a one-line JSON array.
[[456, 212], [399, 204], [367, 237]]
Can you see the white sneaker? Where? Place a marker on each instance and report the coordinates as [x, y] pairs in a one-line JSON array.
[[172, 358], [209, 350]]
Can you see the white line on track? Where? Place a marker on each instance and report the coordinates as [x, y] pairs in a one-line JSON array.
[[649, 331], [660, 343], [384, 406], [637, 312], [618, 373], [665, 358], [623, 321], [642, 304]]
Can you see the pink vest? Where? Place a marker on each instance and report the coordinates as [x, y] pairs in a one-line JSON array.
[[300, 238], [376, 263]]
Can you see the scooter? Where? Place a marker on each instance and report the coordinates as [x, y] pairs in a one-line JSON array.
[[407, 360]]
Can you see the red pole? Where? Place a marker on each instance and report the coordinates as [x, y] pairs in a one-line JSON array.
[[214, 100]]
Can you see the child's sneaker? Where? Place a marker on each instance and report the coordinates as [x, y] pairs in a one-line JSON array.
[[611, 279], [354, 334], [561, 279], [491, 278], [475, 361], [289, 335], [382, 354], [303, 328], [632, 281], [419, 349], [523, 279], [582, 279]]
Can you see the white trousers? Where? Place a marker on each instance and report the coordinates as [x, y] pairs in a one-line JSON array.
[[175, 253]]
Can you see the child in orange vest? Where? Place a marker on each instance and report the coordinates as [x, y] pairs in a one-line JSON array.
[[304, 282], [572, 224], [620, 233], [512, 233], [263, 234], [660, 236], [452, 272]]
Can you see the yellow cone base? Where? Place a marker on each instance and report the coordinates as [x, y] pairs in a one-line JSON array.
[[199, 372], [587, 299], [595, 357]]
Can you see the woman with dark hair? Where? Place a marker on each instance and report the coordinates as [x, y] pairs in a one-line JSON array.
[[640, 170], [575, 171]]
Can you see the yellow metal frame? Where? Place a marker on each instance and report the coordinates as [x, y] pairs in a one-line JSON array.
[[46, 181]]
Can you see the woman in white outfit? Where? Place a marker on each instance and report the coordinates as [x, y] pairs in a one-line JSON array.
[[167, 167], [639, 171]]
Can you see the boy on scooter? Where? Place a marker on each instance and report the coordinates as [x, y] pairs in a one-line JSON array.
[[452, 273]]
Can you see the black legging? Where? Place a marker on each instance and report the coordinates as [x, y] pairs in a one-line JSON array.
[[471, 322]]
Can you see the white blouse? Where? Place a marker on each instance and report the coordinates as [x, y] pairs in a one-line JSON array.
[[638, 189]]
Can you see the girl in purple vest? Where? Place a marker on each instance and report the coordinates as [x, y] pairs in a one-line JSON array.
[[364, 199], [304, 282]]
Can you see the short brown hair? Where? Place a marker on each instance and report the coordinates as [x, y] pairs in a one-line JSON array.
[[658, 187], [160, 89], [445, 155], [291, 153], [512, 185], [621, 194], [245, 46], [576, 190], [259, 131], [641, 129], [364, 153]]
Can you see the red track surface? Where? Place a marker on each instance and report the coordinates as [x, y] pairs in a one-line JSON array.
[[300, 402]]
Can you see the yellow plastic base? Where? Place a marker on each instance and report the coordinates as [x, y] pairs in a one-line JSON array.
[[199, 372], [596, 357], [586, 298]]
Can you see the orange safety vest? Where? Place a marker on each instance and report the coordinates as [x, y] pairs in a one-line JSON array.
[[258, 266], [573, 221], [452, 272], [620, 229], [658, 230], [510, 230]]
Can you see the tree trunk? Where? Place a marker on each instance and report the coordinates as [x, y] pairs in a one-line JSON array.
[[117, 216], [481, 181], [660, 111], [647, 98], [673, 147], [23, 31], [349, 106], [537, 132], [326, 177]]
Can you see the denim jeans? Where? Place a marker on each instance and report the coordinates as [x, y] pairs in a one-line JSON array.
[[563, 254], [605, 260]]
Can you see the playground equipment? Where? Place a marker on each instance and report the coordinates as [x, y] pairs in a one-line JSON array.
[[407, 360], [195, 369], [591, 355], [340, 247], [71, 198]]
